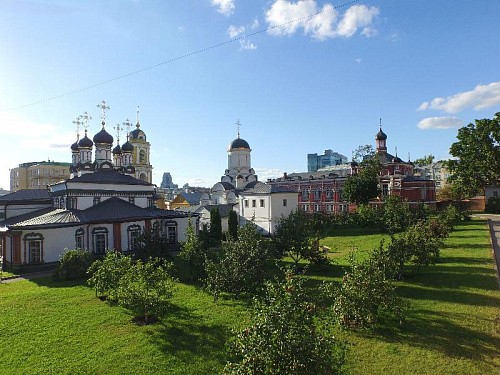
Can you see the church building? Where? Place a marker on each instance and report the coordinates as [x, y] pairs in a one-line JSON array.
[[107, 202]]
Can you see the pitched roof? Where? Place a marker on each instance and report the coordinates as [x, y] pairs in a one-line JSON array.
[[258, 187], [192, 198], [108, 176], [28, 195], [224, 209], [56, 217]]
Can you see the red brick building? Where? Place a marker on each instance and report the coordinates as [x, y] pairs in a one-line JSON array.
[[321, 191]]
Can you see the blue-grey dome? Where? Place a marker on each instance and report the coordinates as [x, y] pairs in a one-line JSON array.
[[86, 142], [239, 143], [103, 136], [127, 147]]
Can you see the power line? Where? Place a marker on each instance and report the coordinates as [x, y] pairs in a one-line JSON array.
[[169, 61]]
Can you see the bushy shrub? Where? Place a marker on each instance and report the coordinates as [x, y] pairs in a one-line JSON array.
[[369, 216], [105, 274], [146, 289], [190, 263], [365, 293], [397, 215], [151, 244], [285, 336], [73, 265]]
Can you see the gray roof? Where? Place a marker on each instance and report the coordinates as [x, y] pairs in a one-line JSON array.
[[192, 198], [224, 209], [26, 195], [258, 187], [108, 176], [111, 210]]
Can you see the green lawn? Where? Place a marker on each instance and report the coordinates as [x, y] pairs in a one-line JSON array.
[[452, 323]]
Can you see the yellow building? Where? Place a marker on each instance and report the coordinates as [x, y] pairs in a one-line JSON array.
[[37, 175]]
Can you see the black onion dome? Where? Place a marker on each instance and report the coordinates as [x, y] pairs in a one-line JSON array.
[[381, 136], [127, 147], [137, 134], [74, 146], [86, 142], [117, 150], [239, 143], [103, 137]]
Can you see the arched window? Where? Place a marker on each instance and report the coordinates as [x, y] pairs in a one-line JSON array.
[[143, 177], [100, 240], [142, 156], [79, 239], [133, 233], [171, 231], [33, 248]]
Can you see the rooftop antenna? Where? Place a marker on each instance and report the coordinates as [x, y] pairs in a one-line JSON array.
[[238, 124], [103, 107]]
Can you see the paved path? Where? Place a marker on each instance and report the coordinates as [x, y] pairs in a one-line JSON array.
[[28, 276]]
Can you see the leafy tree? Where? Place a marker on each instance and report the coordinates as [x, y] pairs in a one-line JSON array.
[[215, 226], [362, 153], [73, 265], [232, 223], [397, 214], [478, 156], [425, 160], [285, 337], [105, 274], [364, 294], [146, 290], [363, 187], [493, 205], [241, 265], [191, 259], [297, 236]]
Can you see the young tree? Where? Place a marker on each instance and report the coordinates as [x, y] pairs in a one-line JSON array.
[[73, 265], [363, 187], [105, 274], [397, 214], [296, 236], [364, 294], [232, 223], [477, 154], [146, 290], [285, 337], [215, 226], [191, 259], [151, 244], [240, 267]]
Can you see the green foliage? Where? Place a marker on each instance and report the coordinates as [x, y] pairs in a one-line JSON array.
[[106, 274], [215, 226], [367, 216], [146, 290], [425, 160], [365, 293], [284, 336], [363, 152], [240, 266], [190, 262], [420, 243], [363, 187], [151, 244], [477, 154], [297, 236], [397, 214], [73, 265], [492, 205], [232, 223]]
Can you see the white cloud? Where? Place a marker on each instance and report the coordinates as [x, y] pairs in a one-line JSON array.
[[225, 7], [481, 97], [286, 17], [265, 173], [245, 44], [255, 24], [235, 31], [358, 60], [445, 122]]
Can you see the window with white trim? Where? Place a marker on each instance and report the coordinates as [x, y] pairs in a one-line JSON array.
[[100, 240]]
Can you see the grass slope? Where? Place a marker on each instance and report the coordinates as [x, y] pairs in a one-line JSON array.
[[452, 324]]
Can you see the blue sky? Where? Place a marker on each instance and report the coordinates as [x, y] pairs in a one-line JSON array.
[[312, 75]]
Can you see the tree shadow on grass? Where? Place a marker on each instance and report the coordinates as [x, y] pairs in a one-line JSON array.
[[438, 332], [447, 295], [189, 338], [51, 283]]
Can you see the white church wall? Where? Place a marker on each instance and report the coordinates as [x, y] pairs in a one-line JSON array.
[[16, 210]]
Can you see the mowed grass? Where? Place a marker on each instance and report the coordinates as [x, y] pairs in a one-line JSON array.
[[452, 324]]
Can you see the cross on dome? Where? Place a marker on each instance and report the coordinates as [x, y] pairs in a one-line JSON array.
[[137, 124], [103, 107], [127, 125], [238, 124]]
